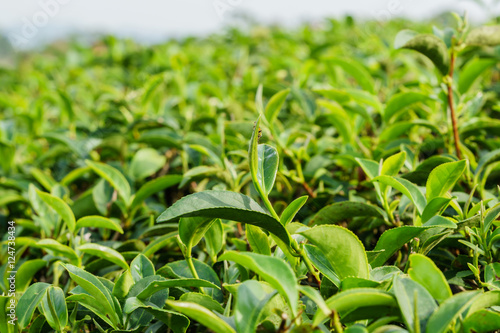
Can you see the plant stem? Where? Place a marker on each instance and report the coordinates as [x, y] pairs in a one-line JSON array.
[[449, 83], [310, 268]]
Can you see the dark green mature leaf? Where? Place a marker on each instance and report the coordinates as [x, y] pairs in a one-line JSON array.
[[29, 301], [226, 205], [60, 207], [450, 310], [342, 211], [203, 300], [250, 303], [113, 176], [415, 303], [273, 270], [484, 36], [429, 45], [342, 248]]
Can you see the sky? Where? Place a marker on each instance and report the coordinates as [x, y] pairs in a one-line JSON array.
[[32, 22]]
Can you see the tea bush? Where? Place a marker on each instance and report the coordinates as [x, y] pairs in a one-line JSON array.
[[340, 177]]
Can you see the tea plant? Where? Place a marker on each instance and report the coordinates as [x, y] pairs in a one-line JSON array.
[[285, 181]]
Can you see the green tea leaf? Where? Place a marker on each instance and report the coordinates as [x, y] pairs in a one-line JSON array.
[[202, 315], [344, 210], [96, 221], [407, 188], [267, 167], [53, 306], [250, 303], [429, 45], [273, 270], [146, 162], [29, 301], [275, 104], [114, 177], [401, 101], [225, 205], [60, 207], [104, 252], [342, 248], [443, 178], [258, 240], [450, 310], [154, 186], [292, 209]]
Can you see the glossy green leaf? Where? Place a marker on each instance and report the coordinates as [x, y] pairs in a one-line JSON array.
[[320, 261], [114, 177], [273, 270], [60, 207], [96, 221], [104, 252], [226, 205], [449, 310], [202, 315], [342, 248], [345, 210], [443, 178], [429, 45], [123, 284], [29, 301]]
